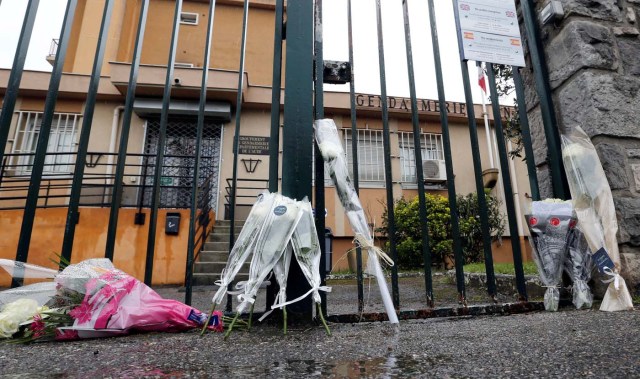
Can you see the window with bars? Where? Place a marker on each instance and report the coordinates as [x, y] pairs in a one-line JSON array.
[[431, 146], [62, 139], [370, 155]]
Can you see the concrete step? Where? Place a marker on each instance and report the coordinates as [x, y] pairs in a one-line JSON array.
[[221, 237], [216, 246], [200, 279]]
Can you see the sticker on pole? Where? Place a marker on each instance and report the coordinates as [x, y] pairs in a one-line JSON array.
[[488, 31]]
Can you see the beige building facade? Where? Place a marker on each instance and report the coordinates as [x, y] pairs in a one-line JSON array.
[[253, 159]]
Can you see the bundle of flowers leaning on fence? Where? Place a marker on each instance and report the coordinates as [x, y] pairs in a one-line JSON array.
[[277, 229], [333, 155], [593, 203], [579, 267], [550, 222], [90, 299]]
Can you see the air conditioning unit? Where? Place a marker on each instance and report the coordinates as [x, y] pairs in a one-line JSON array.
[[434, 170]]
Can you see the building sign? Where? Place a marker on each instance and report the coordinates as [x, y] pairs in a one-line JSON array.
[[404, 104], [424, 105], [488, 31], [253, 145]]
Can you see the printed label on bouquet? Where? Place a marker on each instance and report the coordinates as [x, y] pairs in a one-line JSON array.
[[280, 210], [602, 260]]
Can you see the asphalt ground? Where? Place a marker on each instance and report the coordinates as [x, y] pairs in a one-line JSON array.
[[569, 343]]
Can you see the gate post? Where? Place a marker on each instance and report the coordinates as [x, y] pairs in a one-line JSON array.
[[297, 134]]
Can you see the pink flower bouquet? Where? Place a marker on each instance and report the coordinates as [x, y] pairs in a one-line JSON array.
[[94, 299]]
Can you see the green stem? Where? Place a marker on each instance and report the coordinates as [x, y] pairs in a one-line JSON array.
[[204, 327], [226, 335], [250, 317], [324, 322], [284, 318]]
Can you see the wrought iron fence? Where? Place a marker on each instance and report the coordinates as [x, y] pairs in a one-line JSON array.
[[160, 184]]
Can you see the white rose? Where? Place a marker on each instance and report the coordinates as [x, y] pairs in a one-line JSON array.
[[15, 313]]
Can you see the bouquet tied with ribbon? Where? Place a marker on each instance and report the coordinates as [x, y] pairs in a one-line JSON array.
[[550, 222], [594, 207]]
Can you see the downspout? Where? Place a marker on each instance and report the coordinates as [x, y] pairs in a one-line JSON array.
[[112, 141]]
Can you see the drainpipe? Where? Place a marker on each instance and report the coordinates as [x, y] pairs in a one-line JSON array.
[[112, 141]]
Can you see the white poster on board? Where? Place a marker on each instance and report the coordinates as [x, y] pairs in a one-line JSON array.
[[488, 31]]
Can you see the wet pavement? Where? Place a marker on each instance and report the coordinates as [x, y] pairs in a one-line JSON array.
[[568, 343]]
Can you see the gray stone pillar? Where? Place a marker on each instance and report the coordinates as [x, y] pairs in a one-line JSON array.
[[593, 57]]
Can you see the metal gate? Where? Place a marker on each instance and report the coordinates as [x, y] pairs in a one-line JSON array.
[[179, 163], [187, 150]]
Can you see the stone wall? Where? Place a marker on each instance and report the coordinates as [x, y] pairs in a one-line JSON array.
[[593, 57]]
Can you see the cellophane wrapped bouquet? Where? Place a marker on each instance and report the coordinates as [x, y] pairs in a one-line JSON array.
[[579, 267], [87, 300], [550, 222], [593, 203]]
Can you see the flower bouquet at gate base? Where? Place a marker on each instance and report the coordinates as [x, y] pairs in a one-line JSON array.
[[550, 222], [87, 300], [596, 213]]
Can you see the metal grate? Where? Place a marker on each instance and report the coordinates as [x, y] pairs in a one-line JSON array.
[[432, 149], [177, 169]]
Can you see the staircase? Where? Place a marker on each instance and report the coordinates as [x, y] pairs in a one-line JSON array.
[[213, 257]]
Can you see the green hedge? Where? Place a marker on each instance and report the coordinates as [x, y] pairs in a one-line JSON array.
[[409, 236]]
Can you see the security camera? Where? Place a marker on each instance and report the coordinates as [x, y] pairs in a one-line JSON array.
[[176, 81]]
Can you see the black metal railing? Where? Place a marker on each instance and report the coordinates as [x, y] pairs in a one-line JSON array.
[[246, 192], [97, 187]]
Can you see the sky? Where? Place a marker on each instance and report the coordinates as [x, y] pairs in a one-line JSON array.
[[51, 12]]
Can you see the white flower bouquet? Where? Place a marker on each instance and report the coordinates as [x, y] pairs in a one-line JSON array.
[[593, 203], [332, 153]]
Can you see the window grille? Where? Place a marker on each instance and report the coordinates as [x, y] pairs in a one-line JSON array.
[[177, 168], [62, 139], [431, 145], [370, 155]]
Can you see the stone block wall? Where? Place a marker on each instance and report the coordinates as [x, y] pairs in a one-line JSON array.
[[593, 57]]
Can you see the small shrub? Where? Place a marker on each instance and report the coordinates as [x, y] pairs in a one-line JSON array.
[[409, 236]]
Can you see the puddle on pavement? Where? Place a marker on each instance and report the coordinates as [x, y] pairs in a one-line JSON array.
[[396, 366]]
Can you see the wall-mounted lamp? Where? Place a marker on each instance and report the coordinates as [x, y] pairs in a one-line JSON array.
[[551, 12]]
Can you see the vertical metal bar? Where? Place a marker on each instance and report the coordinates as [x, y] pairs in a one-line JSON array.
[[297, 135], [417, 146], [319, 162], [386, 145], [354, 150], [448, 158], [43, 138], [506, 182], [13, 86], [541, 74], [276, 87], [124, 133], [85, 132], [526, 135], [196, 169], [477, 168], [162, 136], [236, 137]]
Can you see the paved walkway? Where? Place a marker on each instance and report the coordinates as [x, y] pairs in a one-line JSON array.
[[568, 343]]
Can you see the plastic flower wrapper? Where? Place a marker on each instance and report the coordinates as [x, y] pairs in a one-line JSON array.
[[593, 203], [306, 248], [550, 222], [270, 244], [579, 267], [94, 299], [243, 246], [330, 146]]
